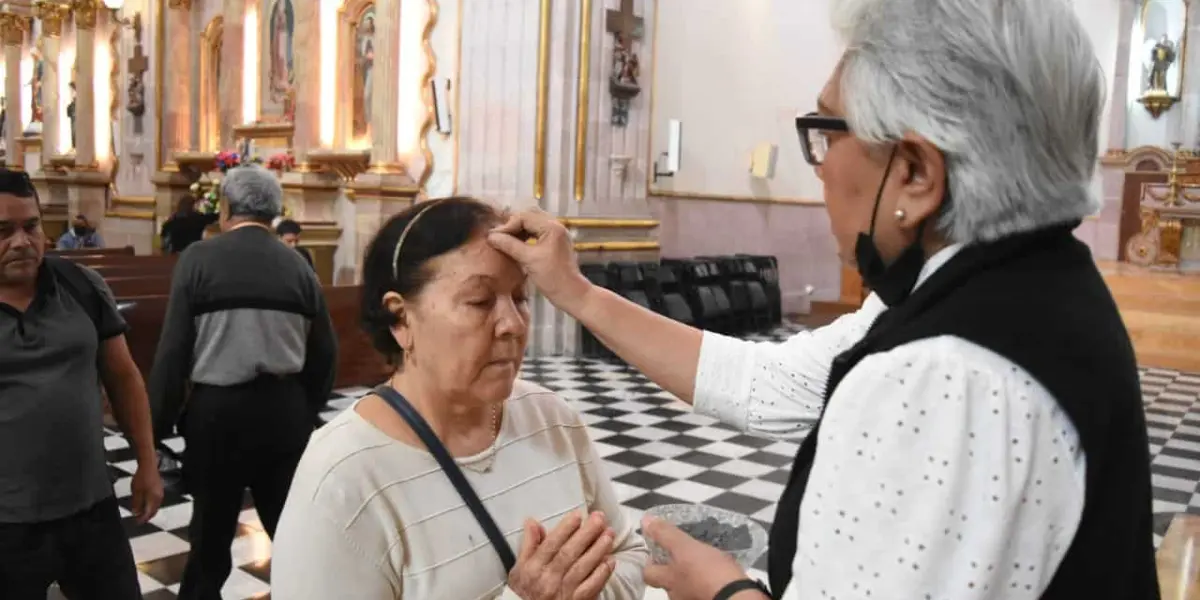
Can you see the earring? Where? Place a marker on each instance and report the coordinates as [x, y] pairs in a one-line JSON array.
[[900, 214]]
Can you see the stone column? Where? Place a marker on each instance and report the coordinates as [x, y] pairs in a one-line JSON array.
[[177, 71], [52, 17], [306, 47], [229, 91], [85, 99], [386, 87], [12, 30]]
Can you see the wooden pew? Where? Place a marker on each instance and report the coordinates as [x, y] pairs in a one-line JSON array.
[[130, 287], [122, 251], [147, 270], [92, 260], [358, 364]]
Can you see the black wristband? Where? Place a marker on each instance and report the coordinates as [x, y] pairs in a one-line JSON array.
[[740, 585]]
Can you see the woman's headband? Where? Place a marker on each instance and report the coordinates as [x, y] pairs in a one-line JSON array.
[[403, 234]]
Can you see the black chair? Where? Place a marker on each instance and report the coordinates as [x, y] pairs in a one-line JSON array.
[[732, 278], [760, 304], [768, 275], [673, 303], [598, 274], [708, 301], [628, 282]]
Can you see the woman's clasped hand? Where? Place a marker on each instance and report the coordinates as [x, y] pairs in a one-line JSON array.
[[571, 562]]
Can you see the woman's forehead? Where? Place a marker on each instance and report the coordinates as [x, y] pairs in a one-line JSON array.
[[477, 262]]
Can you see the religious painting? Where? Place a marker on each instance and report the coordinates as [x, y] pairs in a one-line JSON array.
[[364, 70], [280, 65]]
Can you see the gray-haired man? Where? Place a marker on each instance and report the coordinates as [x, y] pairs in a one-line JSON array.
[[247, 325]]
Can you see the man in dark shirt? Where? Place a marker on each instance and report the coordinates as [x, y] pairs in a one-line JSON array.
[[60, 336], [289, 233], [247, 325]]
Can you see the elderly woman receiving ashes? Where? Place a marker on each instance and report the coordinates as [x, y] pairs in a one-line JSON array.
[[975, 430], [375, 514]]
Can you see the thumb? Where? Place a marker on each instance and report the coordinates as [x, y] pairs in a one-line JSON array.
[[509, 244], [667, 536]]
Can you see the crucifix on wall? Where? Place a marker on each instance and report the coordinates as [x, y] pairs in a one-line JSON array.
[[623, 82], [137, 66]]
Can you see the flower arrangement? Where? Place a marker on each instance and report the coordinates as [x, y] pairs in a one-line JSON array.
[[283, 161], [227, 160], [210, 199]]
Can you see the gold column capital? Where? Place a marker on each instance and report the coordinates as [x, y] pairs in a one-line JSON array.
[[85, 13], [180, 4], [12, 28], [52, 15]]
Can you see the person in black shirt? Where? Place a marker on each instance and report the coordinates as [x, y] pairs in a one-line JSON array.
[[185, 227], [289, 233]]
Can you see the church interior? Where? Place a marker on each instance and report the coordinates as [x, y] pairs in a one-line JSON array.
[[697, 204]]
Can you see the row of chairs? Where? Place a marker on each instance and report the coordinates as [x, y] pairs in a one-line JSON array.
[[734, 295]]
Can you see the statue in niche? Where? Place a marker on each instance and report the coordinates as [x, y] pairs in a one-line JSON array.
[[280, 72], [71, 114], [623, 82], [364, 68], [1162, 56]]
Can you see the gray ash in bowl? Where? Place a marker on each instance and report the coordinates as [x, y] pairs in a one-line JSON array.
[[719, 535]]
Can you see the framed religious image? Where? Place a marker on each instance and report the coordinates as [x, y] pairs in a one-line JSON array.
[[278, 70], [356, 86]]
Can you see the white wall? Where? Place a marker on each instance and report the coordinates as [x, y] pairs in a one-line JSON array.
[[1102, 20], [737, 74]]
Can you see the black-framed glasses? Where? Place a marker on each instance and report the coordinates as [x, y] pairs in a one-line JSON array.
[[814, 141]]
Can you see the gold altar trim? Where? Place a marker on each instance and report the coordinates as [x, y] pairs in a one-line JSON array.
[[427, 92], [266, 131], [210, 97], [595, 223], [394, 168], [650, 102], [543, 95], [320, 233], [85, 179], [124, 213], [318, 186], [581, 100], [134, 200], [384, 192], [615, 246], [674, 195]]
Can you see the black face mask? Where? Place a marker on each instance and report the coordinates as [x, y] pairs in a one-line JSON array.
[[892, 283], [82, 231]]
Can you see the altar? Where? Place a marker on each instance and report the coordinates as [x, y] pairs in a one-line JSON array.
[[1169, 237]]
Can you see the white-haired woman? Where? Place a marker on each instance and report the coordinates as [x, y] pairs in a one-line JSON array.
[[975, 430]]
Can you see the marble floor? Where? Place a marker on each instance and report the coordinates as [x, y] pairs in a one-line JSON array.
[[657, 452]]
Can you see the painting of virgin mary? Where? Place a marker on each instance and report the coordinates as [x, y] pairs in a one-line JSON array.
[[280, 70], [364, 66]]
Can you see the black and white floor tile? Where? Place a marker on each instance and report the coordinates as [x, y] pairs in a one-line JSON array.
[[657, 452]]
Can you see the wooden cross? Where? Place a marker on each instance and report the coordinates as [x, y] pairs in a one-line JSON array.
[[623, 23], [139, 62]]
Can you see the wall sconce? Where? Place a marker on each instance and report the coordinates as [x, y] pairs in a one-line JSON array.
[[441, 105]]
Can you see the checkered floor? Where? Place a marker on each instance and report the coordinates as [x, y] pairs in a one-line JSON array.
[[657, 452]]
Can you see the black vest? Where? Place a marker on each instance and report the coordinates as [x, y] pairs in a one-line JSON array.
[[1038, 300]]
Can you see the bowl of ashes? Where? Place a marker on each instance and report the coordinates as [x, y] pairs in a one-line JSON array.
[[732, 533]]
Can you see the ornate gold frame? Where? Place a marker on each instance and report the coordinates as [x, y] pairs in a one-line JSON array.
[[264, 41], [210, 96], [581, 100], [350, 15]]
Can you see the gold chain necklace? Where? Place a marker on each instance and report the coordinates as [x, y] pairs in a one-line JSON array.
[[484, 464]]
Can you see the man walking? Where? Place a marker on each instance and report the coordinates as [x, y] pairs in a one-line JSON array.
[[60, 336], [247, 325]]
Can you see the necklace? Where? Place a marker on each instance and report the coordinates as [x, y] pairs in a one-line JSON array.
[[483, 460]]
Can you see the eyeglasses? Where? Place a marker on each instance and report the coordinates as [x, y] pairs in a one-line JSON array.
[[813, 130]]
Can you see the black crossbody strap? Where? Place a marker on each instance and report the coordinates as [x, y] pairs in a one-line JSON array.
[[401, 405]]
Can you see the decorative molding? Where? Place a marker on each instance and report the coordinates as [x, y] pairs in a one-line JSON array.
[[85, 13], [427, 93], [1129, 158], [180, 4], [543, 95], [160, 32], [596, 223], [650, 154], [52, 15], [13, 28], [674, 195], [615, 246], [211, 40], [123, 213], [581, 101], [457, 95]]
